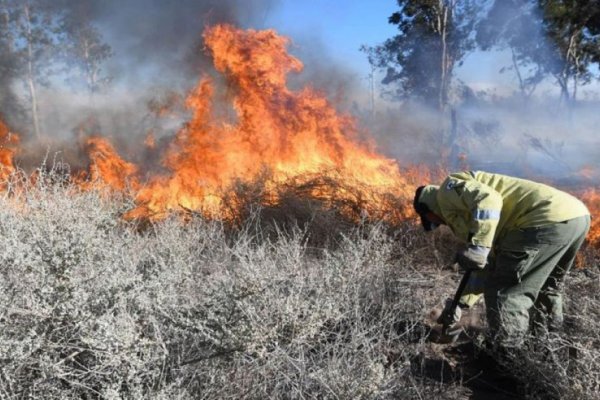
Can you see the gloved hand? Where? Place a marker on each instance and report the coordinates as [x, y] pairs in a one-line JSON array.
[[473, 258], [449, 317]]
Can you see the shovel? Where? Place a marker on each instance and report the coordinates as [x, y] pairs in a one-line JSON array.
[[449, 335]]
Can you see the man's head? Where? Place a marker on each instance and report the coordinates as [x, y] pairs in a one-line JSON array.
[[425, 204]]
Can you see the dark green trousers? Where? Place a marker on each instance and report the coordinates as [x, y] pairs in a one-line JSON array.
[[525, 276]]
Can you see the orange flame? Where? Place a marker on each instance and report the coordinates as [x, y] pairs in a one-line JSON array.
[[592, 200], [292, 134], [297, 137], [150, 140], [8, 145], [107, 169]]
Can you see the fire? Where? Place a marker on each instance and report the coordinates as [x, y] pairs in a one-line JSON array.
[[150, 140], [107, 169], [279, 140], [294, 135], [8, 145], [592, 200]]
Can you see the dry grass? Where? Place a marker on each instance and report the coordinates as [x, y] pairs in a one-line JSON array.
[[280, 307]]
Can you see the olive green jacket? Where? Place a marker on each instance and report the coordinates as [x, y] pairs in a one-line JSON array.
[[481, 207]]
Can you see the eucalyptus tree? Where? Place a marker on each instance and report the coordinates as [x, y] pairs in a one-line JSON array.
[[85, 50], [9, 104], [434, 36], [573, 26], [31, 37], [517, 26], [557, 38]]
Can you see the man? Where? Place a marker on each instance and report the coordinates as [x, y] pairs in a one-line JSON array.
[[522, 238]]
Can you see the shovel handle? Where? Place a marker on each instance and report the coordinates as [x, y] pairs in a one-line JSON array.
[[458, 295]]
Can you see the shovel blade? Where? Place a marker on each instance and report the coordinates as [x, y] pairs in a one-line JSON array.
[[446, 336]]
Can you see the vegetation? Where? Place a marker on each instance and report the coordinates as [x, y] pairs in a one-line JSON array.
[[571, 27], [517, 26], [95, 307], [434, 37], [305, 298], [545, 37], [42, 40], [548, 43]]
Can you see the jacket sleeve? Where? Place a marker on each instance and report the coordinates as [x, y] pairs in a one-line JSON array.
[[473, 204], [485, 205]]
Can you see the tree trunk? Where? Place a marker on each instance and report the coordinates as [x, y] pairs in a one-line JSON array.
[[453, 141], [443, 29], [577, 62], [563, 82], [571, 69], [6, 28], [517, 70], [31, 73], [372, 92], [570, 56], [90, 70]]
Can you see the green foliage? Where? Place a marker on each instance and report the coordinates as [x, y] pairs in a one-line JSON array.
[[546, 37], [84, 48], [434, 37], [558, 38], [516, 25], [573, 26]]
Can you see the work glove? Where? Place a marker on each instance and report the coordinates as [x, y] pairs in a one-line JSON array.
[[473, 258], [450, 317]]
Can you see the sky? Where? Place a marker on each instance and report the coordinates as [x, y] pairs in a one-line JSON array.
[[166, 35], [341, 26]]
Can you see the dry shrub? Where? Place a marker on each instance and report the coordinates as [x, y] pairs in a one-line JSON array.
[[324, 205], [295, 302], [90, 307]]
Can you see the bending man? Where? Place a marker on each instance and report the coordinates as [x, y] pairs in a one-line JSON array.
[[522, 238]]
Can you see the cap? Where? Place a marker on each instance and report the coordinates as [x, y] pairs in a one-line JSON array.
[[425, 201]]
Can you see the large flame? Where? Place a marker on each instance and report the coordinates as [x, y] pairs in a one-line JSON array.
[[267, 133], [107, 169], [298, 137], [8, 146], [591, 198], [291, 134]]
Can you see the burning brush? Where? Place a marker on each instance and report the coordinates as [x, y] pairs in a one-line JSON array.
[[297, 136]]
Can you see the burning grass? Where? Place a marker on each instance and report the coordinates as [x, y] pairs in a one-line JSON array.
[[8, 147], [258, 124], [250, 139], [295, 135], [592, 199]]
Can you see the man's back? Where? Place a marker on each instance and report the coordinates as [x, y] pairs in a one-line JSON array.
[[523, 203]]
